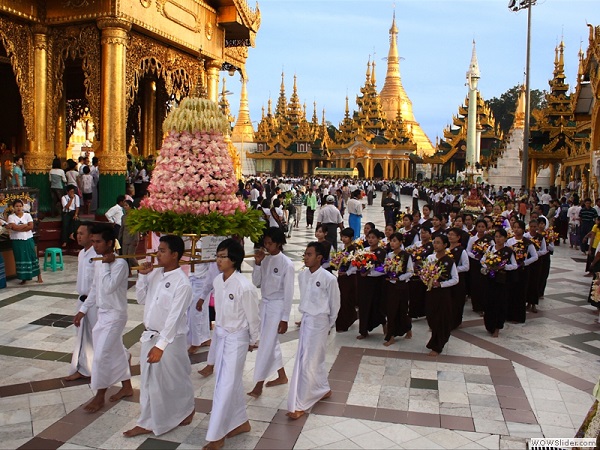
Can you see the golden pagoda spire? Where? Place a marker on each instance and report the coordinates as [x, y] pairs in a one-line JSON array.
[[561, 60], [323, 121], [242, 131], [269, 111], [263, 113], [368, 75], [373, 73], [393, 93], [581, 58], [347, 115], [280, 109], [315, 119]]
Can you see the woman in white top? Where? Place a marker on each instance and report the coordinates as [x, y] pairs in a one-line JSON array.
[[20, 225]]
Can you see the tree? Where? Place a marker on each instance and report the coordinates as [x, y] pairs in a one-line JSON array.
[[504, 107]]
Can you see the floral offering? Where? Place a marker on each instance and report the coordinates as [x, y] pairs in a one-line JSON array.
[[430, 273], [480, 248], [551, 236], [393, 266], [193, 184], [364, 261], [493, 263], [340, 260], [520, 252], [359, 243], [595, 293]]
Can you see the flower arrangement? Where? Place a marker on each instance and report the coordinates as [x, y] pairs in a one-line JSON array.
[[193, 185], [536, 241], [480, 247], [364, 260], [393, 266], [551, 235], [399, 219], [520, 252], [417, 253], [359, 243], [430, 273], [493, 263], [340, 260]]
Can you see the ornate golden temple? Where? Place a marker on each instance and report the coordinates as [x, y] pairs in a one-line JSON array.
[[381, 139], [121, 64]]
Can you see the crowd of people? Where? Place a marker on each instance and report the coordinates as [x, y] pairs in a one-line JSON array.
[[467, 247]]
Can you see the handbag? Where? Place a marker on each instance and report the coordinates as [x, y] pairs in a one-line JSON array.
[[282, 224]]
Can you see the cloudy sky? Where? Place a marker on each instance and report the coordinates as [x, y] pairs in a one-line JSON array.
[[327, 44]]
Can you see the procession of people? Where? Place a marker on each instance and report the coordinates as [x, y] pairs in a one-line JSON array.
[[428, 263]]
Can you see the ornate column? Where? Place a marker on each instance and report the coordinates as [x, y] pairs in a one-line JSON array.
[[113, 114], [60, 141], [305, 167], [149, 118], [386, 169], [283, 166], [213, 68], [39, 159]]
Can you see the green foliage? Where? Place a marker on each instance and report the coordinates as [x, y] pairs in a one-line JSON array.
[[246, 224], [504, 107]]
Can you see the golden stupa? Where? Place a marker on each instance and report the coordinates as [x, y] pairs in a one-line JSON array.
[[393, 97]]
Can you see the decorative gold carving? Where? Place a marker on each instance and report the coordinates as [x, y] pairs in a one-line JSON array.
[[208, 29], [78, 3], [17, 40], [113, 162], [146, 3], [145, 55], [178, 13], [114, 22], [236, 55], [39, 162], [69, 44]]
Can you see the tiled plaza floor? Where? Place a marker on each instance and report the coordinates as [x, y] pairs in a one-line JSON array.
[[535, 380]]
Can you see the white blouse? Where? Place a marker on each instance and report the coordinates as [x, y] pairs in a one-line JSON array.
[[24, 220]]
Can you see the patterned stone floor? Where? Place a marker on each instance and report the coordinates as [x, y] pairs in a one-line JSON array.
[[533, 381]]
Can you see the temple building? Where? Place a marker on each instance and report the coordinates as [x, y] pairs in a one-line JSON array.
[[582, 161], [381, 139], [554, 138], [118, 65], [451, 150]]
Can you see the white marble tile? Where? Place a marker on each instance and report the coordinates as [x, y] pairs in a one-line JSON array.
[[323, 435], [373, 440], [351, 428], [421, 443]]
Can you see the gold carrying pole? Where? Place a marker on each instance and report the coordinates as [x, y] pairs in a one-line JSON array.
[[99, 258], [181, 263]]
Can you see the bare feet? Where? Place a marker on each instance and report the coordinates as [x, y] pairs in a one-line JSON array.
[[95, 405], [327, 395], [295, 415], [243, 428], [206, 343], [534, 309], [207, 371], [188, 419], [22, 282], [256, 392], [193, 349], [136, 431], [214, 445], [362, 336], [390, 342], [496, 333], [122, 393], [298, 323], [408, 335], [74, 376], [432, 353], [278, 381]]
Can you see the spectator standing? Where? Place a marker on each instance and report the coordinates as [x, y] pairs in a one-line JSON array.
[[57, 182]]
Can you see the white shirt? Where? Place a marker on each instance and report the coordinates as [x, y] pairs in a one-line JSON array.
[[463, 264], [542, 250], [115, 214], [85, 270], [545, 198], [167, 297], [354, 207], [415, 193], [74, 204], [275, 278], [319, 294], [453, 273], [236, 305], [329, 214], [109, 287], [23, 220], [254, 194], [573, 214]]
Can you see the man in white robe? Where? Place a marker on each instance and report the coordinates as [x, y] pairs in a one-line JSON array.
[[274, 274], [319, 305], [166, 391], [109, 293], [83, 353], [198, 316], [236, 332]]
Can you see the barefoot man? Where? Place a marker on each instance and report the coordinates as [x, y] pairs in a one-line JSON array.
[[274, 274], [83, 353], [198, 317], [236, 332], [109, 294], [319, 305], [166, 391]]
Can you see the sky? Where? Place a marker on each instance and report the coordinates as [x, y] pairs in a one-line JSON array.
[[327, 43]]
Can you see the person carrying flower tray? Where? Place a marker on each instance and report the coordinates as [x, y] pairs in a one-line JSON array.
[[439, 273], [398, 269], [347, 281], [525, 255], [476, 248], [459, 291], [495, 264], [371, 310], [539, 242], [418, 253]]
